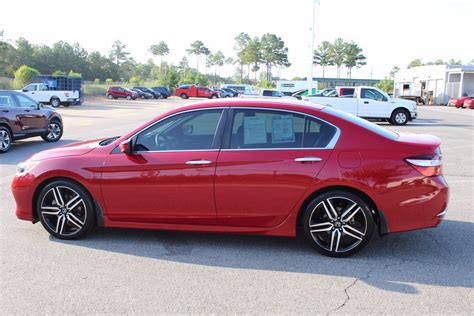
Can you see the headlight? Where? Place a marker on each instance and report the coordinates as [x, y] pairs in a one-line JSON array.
[[25, 167]]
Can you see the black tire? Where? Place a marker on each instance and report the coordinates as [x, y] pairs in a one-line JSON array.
[[6, 139], [109, 96], [55, 102], [129, 97], [184, 96], [65, 209], [214, 96], [55, 131], [67, 104], [331, 230], [399, 117], [142, 96]]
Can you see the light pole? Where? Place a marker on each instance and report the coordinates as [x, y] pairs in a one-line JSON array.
[[310, 74]]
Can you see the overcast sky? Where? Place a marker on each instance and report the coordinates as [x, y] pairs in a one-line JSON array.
[[390, 32]]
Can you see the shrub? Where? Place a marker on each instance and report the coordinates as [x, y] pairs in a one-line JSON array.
[[96, 81], [5, 83], [265, 84], [59, 73], [94, 89], [74, 74], [109, 81], [23, 76], [135, 81]]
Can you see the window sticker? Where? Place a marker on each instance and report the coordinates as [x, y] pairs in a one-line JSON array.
[[254, 130], [283, 131]]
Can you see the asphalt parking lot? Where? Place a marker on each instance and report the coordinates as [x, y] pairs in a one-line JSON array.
[[138, 271]]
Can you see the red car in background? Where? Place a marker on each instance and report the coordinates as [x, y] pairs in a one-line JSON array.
[[458, 102], [120, 92], [468, 103], [188, 91], [262, 167]]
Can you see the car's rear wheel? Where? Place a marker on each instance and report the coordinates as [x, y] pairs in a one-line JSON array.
[[129, 97], [399, 117], [338, 223], [55, 131], [109, 96], [5, 139], [143, 96], [55, 102], [65, 209], [184, 96]]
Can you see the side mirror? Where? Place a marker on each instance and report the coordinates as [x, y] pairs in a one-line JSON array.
[[24, 90], [126, 147]]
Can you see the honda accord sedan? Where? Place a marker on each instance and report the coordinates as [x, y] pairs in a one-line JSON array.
[[264, 167]]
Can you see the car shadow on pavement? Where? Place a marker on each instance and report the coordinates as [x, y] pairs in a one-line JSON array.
[[23, 149], [440, 257]]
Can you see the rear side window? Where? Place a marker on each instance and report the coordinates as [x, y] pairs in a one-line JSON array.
[[267, 93], [6, 101], [362, 123], [273, 129]]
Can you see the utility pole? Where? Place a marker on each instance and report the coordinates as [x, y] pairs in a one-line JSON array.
[[310, 73]]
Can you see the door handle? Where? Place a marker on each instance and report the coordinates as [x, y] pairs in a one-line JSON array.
[[6, 111], [366, 102], [198, 162], [308, 159]]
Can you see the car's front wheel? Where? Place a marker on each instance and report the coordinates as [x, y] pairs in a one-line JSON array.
[[5, 139], [399, 117], [65, 209], [55, 131], [338, 223]]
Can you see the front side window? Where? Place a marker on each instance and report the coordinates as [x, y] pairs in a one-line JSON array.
[[273, 129], [6, 100], [29, 88], [194, 130], [372, 94], [26, 102]]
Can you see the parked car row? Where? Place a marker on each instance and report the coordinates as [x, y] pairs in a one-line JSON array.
[[194, 91], [463, 102], [138, 92]]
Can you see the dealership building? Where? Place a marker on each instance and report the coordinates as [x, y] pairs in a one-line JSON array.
[[438, 82]]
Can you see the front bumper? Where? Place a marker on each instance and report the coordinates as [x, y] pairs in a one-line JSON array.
[[413, 115]]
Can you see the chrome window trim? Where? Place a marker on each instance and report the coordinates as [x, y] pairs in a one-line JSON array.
[[330, 145]]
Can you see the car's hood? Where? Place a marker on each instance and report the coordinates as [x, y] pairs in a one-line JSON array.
[[74, 149]]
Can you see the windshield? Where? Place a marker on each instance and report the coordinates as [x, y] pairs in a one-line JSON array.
[[362, 123]]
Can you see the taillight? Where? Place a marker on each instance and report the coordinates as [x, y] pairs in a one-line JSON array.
[[429, 166]]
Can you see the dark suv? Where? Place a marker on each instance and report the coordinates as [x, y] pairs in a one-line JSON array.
[[165, 92], [155, 94], [22, 117]]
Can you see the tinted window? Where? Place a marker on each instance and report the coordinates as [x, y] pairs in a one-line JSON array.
[[26, 102], [372, 94], [278, 129], [348, 92], [187, 131], [6, 100], [30, 88], [363, 123], [267, 93]]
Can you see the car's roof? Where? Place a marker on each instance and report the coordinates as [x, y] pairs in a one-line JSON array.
[[252, 102]]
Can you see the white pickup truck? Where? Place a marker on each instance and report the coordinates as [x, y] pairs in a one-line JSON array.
[[42, 94], [371, 103]]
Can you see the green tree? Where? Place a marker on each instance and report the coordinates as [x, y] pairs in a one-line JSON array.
[[353, 57], [183, 66], [23, 76], [338, 53], [216, 60], [74, 74], [394, 71], [274, 53], [197, 49], [439, 62], [161, 49], [322, 55], [136, 81], [454, 62], [385, 85], [118, 53], [59, 73], [415, 63], [253, 55], [241, 42]]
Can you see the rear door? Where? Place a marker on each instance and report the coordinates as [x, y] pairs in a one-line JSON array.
[[270, 158]]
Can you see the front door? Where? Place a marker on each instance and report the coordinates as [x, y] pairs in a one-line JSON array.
[[170, 176], [33, 118], [270, 159], [374, 104]]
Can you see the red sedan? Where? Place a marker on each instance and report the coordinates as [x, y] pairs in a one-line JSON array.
[[247, 166]]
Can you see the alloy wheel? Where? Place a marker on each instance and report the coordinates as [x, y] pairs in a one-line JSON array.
[[63, 211], [401, 118], [5, 140], [339, 225], [54, 131]]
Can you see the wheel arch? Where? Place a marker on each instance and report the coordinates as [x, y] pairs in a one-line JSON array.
[[379, 217], [5, 124], [402, 109]]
